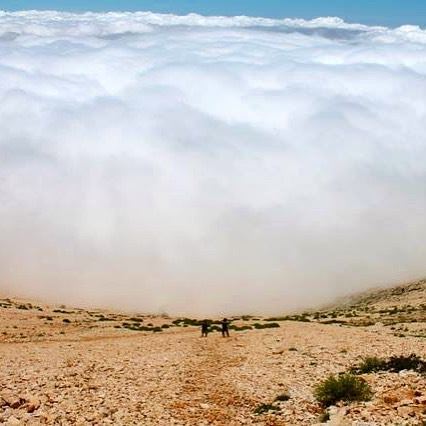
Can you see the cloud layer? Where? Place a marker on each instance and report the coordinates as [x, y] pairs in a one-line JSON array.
[[209, 165]]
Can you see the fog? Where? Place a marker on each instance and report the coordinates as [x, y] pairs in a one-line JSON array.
[[196, 165]]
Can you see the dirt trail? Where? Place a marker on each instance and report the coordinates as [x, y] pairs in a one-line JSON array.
[[208, 396]]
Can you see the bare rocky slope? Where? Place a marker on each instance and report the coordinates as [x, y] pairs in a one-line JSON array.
[[61, 365]]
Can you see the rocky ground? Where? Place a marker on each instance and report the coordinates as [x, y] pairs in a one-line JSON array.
[[61, 365]]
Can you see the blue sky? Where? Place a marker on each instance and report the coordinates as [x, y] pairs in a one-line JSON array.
[[385, 12]]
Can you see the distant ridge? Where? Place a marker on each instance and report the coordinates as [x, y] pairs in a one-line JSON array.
[[412, 293]]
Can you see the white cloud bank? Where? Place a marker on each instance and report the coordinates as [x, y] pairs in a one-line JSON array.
[[209, 165]]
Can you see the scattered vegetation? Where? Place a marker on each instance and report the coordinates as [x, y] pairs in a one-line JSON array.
[[237, 328], [344, 387], [246, 317], [324, 417], [105, 319], [265, 408], [259, 326], [370, 364], [137, 326], [46, 317], [5, 303], [411, 362], [187, 321], [24, 307], [393, 364], [28, 306], [282, 397], [334, 321], [302, 317]]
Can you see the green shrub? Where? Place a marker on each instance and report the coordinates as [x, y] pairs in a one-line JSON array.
[[190, 321], [267, 325], [411, 362], [24, 307], [369, 364], [394, 364], [264, 408], [345, 387], [283, 397], [324, 417], [137, 327], [273, 319], [303, 319], [237, 328], [334, 321], [246, 317]]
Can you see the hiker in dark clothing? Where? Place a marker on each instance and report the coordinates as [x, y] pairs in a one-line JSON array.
[[225, 328], [204, 328]]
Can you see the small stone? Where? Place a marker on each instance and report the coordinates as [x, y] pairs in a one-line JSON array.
[[405, 411], [421, 400], [16, 403], [390, 399], [13, 421], [32, 405]]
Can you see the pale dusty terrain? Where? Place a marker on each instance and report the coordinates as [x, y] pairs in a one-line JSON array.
[[88, 369]]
